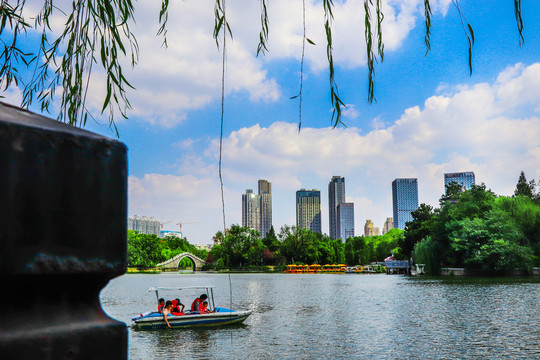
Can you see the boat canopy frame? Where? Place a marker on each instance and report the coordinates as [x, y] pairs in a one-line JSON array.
[[209, 292]]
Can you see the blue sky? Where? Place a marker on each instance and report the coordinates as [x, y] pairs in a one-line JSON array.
[[430, 117]]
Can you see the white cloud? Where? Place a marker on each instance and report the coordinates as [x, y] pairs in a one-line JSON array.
[[469, 130], [187, 75]]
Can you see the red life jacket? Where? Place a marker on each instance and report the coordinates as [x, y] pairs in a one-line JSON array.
[[197, 305], [160, 308]]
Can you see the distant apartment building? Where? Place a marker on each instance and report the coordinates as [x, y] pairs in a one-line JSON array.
[[370, 229], [465, 179], [336, 196], [308, 210], [144, 225], [257, 208], [405, 200], [345, 220], [388, 224]]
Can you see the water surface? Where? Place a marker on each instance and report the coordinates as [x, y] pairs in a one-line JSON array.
[[341, 316]]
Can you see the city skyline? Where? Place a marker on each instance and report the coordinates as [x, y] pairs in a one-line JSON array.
[[432, 116], [252, 213]]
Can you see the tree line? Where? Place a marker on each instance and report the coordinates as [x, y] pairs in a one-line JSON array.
[[148, 250], [477, 230], [243, 247]]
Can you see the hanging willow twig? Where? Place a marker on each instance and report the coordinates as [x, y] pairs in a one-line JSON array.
[[221, 26], [469, 33], [336, 101], [263, 34], [92, 27], [304, 39], [519, 21], [427, 16]]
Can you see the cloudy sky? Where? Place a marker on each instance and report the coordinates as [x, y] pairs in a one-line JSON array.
[[430, 117]]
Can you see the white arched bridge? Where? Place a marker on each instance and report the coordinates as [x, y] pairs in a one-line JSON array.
[[174, 262]]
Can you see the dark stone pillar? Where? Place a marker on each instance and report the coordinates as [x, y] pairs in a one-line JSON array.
[[63, 207]]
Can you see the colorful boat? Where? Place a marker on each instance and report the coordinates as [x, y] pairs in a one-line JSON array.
[[218, 317]]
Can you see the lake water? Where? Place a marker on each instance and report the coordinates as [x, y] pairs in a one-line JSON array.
[[341, 316]]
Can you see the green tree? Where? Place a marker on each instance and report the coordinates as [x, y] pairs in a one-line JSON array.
[[271, 241], [241, 246], [144, 250], [427, 252], [524, 188], [417, 229], [492, 243]]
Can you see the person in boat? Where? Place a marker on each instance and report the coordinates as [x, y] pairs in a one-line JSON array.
[[205, 309], [167, 310], [161, 305], [176, 307], [197, 304]]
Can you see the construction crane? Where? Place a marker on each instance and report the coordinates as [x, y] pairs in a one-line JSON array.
[[164, 224], [183, 223]]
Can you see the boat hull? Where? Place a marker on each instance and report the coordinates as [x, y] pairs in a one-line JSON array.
[[219, 318]]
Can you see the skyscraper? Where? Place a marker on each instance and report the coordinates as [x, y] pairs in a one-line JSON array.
[[336, 196], [265, 187], [257, 209], [308, 210], [251, 210], [465, 179], [265, 198], [388, 224], [369, 228], [405, 200], [345, 220]]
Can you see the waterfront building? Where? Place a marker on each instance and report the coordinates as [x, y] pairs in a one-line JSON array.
[[308, 210], [144, 225], [345, 220], [336, 196], [405, 200], [257, 208], [388, 224], [465, 179]]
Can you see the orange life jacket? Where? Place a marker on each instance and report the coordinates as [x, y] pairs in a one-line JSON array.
[[160, 308], [197, 305]]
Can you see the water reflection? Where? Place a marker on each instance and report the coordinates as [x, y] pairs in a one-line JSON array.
[[302, 316]]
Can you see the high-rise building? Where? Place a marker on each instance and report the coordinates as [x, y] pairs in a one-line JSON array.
[[465, 179], [251, 211], [336, 196], [265, 195], [144, 225], [308, 210], [388, 224], [257, 209], [345, 220], [369, 229], [265, 187], [405, 200]]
